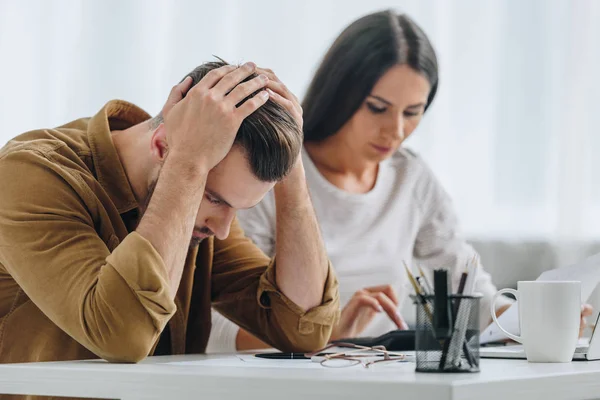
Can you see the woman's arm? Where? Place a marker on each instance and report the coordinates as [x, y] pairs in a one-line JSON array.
[[223, 335]]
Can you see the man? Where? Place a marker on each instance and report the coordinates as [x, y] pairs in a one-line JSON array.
[[107, 225]]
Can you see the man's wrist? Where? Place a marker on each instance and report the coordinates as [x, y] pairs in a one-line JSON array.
[[294, 182], [190, 167]]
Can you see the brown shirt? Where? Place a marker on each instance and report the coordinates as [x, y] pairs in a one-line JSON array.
[[76, 282]]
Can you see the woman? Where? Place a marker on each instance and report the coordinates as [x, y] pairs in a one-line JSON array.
[[378, 204]]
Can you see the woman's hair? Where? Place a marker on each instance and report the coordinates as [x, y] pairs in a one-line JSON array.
[[361, 55]]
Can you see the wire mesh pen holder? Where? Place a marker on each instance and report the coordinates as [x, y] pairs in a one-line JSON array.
[[451, 347]]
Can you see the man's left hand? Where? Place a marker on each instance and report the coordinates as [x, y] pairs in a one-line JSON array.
[[279, 93]]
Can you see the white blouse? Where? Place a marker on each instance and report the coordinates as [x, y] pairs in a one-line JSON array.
[[407, 216]]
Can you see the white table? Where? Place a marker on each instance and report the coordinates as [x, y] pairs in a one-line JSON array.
[[156, 378]]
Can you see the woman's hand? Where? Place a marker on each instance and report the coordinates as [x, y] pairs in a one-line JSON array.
[[586, 311], [363, 306]]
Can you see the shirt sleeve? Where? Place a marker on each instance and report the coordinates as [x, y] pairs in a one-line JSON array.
[[439, 243], [244, 290], [223, 335], [113, 303]]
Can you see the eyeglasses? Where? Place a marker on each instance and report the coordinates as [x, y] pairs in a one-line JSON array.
[[350, 358]]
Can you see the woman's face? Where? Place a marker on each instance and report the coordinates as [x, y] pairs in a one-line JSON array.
[[388, 115]]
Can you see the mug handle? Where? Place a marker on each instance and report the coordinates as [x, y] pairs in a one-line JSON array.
[[493, 311]]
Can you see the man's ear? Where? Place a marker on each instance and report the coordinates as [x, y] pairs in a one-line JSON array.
[[158, 143]]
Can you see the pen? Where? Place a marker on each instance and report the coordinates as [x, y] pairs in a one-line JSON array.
[[442, 318], [455, 309], [282, 356]]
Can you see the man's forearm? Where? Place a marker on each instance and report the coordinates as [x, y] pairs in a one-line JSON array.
[[302, 262], [168, 222]]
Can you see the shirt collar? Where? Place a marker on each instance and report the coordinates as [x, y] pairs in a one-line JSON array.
[[116, 114]]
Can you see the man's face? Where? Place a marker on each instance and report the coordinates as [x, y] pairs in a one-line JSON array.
[[230, 186]]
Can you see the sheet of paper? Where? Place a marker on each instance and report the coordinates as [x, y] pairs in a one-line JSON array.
[[245, 360], [248, 360], [509, 320], [587, 272]]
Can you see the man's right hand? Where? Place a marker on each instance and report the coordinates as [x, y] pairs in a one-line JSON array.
[[363, 307], [201, 128]]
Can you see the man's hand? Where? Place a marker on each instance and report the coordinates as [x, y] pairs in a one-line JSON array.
[[202, 126], [362, 308], [176, 95], [279, 93]]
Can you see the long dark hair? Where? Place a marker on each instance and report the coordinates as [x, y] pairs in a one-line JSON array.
[[361, 55]]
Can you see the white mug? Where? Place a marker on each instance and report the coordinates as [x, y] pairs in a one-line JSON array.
[[549, 315]]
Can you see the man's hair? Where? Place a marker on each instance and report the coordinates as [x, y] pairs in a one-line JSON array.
[[270, 137]]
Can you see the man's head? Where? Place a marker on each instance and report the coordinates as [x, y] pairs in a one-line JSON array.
[[265, 149]]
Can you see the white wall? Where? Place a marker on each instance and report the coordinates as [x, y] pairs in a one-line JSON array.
[[512, 134]]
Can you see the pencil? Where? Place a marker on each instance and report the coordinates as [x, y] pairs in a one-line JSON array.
[[415, 286], [427, 285]]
